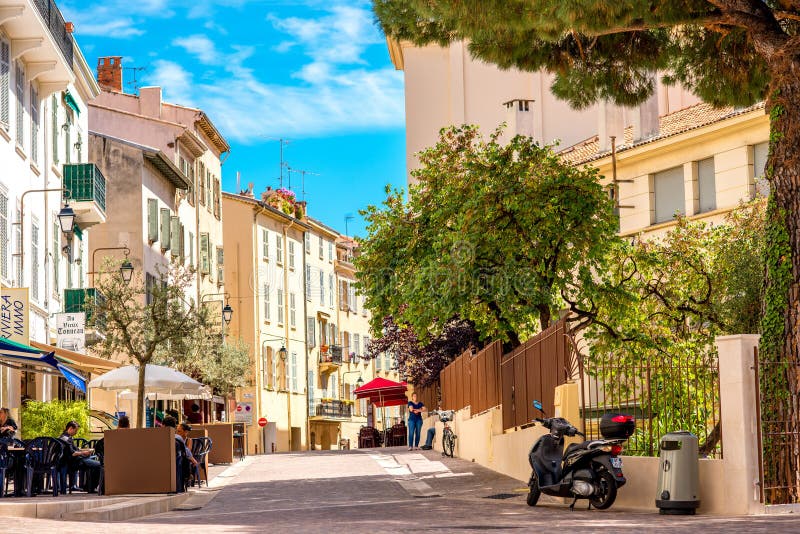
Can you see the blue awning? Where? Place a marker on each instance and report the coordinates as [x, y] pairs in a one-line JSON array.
[[25, 358]]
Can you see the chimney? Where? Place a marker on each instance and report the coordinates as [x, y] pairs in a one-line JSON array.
[[611, 123], [519, 117], [109, 73]]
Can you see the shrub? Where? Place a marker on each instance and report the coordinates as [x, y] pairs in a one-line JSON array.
[[50, 418]]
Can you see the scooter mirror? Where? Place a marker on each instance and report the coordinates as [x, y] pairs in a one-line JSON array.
[[537, 405]]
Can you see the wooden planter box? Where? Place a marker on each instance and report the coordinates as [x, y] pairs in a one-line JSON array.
[[221, 435], [139, 460]]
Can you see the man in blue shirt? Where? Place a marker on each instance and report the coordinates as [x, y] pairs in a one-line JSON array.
[[415, 410]]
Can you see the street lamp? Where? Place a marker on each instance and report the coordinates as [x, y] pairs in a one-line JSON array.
[[227, 313], [125, 269], [283, 353], [66, 219]]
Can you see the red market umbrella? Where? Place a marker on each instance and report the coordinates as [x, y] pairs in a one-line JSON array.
[[383, 392]]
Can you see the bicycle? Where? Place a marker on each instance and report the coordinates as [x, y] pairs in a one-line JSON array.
[[448, 436]]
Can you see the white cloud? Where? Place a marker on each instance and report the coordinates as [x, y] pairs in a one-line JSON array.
[[200, 46], [175, 81]]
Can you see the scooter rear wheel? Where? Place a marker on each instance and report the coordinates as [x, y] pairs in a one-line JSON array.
[[608, 491], [534, 492]]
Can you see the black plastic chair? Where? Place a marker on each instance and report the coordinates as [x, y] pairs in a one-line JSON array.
[[42, 456], [180, 459], [200, 448], [81, 443], [99, 446], [6, 469]]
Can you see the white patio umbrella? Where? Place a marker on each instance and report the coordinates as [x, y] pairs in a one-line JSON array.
[[161, 383]]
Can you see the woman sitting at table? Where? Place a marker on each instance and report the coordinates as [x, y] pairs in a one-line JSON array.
[[8, 427]]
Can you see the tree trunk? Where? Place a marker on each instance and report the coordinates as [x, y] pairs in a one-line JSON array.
[[780, 346], [140, 395], [544, 317]]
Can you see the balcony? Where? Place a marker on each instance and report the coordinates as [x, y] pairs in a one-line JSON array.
[[58, 29], [86, 186], [330, 358], [332, 409]]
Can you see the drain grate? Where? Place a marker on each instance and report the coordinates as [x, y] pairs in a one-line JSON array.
[[503, 496]]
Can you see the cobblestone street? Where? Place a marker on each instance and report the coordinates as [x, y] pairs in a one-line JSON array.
[[392, 490]]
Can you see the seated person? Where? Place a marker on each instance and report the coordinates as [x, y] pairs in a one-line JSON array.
[[8, 427], [181, 434], [124, 422], [79, 459]]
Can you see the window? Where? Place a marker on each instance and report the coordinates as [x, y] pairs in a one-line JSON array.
[[54, 129], [201, 184], [291, 254], [321, 248], [217, 200], [19, 71], [278, 248], [308, 282], [266, 302], [149, 285], [321, 288], [18, 275], [191, 249], [363, 306], [379, 362], [366, 344], [353, 299], [4, 245], [706, 185], [344, 295], [356, 344], [68, 136], [331, 292], [669, 194], [5, 83], [311, 334], [292, 311], [307, 238], [152, 220], [205, 253], [293, 372], [209, 191], [166, 234], [265, 243], [220, 266], [34, 125], [283, 383], [280, 306], [760, 154], [35, 261], [334, 388], [330, 251]]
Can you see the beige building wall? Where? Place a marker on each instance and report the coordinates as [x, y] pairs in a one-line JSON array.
[[446, 86], [265, 275]]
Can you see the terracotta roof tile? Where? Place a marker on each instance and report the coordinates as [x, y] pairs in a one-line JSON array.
[[676, 123]]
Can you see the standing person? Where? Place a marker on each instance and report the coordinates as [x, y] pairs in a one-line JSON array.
[[8, 426], [415, 410]]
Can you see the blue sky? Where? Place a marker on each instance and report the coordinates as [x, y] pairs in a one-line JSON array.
[[314, 72]]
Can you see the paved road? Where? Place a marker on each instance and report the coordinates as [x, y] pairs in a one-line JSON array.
[[380, 491]]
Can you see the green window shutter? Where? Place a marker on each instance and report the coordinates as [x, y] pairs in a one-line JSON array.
[[182, 244], [152, 220], [311, 335], [165, 229], [175, 236], [220, 266], [204, 254]]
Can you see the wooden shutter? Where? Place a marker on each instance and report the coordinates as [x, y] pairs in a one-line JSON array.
[[175, 236], [204, 254], [220, 266], [311, 334], [5, 83], [182, 244], [165, 229], [152, 220], [217, 206]]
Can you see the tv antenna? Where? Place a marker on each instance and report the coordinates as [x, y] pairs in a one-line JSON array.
[[303, 182], [135, 82], [347, 218], [283, 142]]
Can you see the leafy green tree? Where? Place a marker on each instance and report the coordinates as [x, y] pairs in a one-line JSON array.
[[222, 366], [146, 323], [654, 338], [50, 418], [728, 52], [491, 233]]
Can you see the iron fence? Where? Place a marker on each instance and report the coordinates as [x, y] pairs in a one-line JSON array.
[[664, 396], [779, 420]]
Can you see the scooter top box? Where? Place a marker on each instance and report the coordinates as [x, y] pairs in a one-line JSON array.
[[617, 426]]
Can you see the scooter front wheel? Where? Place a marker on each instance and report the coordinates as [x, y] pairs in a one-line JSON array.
[[534, 492], [607, 493]]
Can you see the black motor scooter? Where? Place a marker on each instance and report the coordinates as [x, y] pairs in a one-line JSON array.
[[590, 470]]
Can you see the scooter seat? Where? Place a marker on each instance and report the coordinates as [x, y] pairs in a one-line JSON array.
[[572, 447]]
